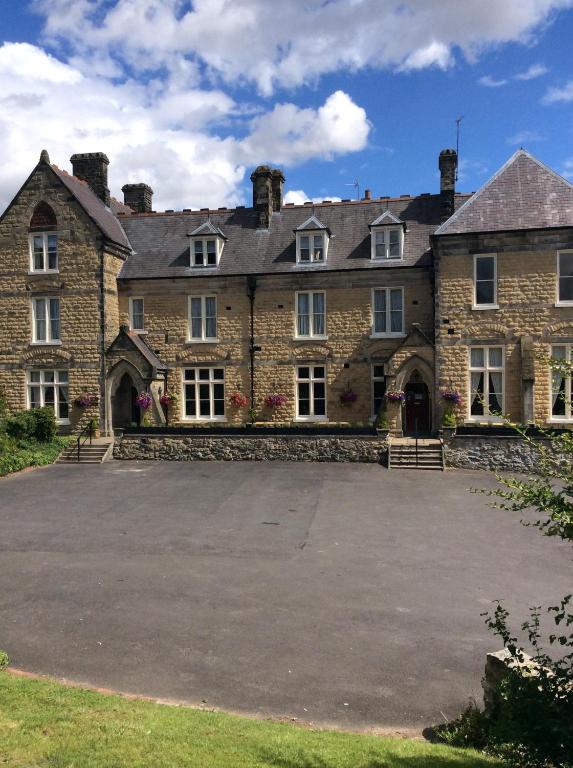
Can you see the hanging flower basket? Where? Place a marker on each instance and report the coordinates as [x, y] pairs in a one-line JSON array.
[[451, 396], [238, 399], [167, 401], [86, 399], [143, 400], [348, 397], [395, 396], [275, 401]]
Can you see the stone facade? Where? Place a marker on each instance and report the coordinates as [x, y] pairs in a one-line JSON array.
[[494, 453], [370, 450]]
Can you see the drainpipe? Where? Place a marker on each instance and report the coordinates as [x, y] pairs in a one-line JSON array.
[[251, 290], [102, 385]]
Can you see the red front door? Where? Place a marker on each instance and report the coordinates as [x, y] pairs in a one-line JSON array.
[[417, 409]]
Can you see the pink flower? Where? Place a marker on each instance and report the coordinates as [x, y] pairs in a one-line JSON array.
[[143, 400], [275, 401]]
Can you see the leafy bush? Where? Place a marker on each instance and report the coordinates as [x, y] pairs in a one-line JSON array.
[[44, 424], [449, 419], [4, 660], [21, 425]]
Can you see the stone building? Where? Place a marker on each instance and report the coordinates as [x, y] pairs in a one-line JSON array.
[[283, 313]]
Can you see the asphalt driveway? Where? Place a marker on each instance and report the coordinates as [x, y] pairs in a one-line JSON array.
[[330, 593]]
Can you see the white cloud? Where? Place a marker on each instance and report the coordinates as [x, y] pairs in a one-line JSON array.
[[556, 94], [163, 136], [535, 70], [294, 42], [524, 137], [491, 82], [299, 197]]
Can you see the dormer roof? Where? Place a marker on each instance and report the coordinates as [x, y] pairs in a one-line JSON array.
[[524, 194], [311, 224], [206, 229], [385, 218]]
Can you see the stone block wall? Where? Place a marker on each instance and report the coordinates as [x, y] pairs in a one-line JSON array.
[[527, 293], [348, 352], [493, 453]]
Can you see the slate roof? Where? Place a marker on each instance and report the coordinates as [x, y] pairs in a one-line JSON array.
[[523, 194], [161, 241], [102, 216], [207, 228]]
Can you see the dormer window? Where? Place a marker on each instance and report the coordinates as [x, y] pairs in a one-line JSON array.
[[387, 238], [207, 242], [311, 242]]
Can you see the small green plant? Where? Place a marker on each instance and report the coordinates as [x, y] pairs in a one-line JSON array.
[[382, 421], [4, 659], [449, 419], [44, 424], [252, 415]]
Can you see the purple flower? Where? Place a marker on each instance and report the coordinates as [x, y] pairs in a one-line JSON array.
[[275, 401], [143, 400], [451, 396], [395, 396], [86, 399], [348, 396]]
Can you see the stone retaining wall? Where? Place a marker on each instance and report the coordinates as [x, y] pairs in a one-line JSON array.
[[503, 454], [355, 448]]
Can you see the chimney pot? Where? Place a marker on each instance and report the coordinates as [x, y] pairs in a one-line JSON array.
[[277, 183], [448, 164], [139, 197], [367, 194], [91, 167]]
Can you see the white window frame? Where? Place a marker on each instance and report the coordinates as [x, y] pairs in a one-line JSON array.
[[311, 315], [203, 338], [475, 304], [44, 236], [385, 230], [312, 234], [131, 314], [50, 339], [387, 334], [558, 301], [486, 417], [203, 240], [311, 380], [374, 379], [211, 381], [42, 384], [568, 416]]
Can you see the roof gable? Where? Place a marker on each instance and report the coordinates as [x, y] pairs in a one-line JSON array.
[[386, 218], [310, 224], [207, 228], [524, 194]]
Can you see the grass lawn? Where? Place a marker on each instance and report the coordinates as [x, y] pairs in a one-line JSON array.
[[28, 452], [44, 723]]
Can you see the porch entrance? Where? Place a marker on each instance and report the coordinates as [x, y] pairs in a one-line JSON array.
[[125, 412], [417, 406]]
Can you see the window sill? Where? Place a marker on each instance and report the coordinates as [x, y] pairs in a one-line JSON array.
[[62, 422], [564, 303], [485, 420], [46, 343], [560, 420], [485, 306], [191, 342], [385, 261], [387, 335], [310, 338], [306, 419], [139, 331], [193, 420], [41, 272]]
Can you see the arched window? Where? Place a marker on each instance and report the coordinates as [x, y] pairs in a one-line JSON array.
[[43, 239]]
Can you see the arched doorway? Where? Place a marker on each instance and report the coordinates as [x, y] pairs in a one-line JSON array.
[[124, 410], [417, 407]]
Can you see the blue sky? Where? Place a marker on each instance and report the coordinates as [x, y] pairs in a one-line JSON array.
[[189, 97]]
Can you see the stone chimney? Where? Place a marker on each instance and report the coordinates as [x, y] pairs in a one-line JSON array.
[[139, 197], [263, 195], [91, 167], [448, 164], [277, 181]]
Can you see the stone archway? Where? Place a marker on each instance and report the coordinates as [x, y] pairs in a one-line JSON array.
[[124, 381], [416, 378]]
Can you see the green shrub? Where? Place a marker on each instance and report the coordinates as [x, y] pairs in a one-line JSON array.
[[21, 425], [4, 660], [449, 419], [44, 424]]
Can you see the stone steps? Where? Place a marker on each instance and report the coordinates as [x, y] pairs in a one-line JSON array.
[[403, 455], [89, 454]]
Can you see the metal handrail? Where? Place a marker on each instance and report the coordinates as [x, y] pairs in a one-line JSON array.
[[87, 433], [416, 436]]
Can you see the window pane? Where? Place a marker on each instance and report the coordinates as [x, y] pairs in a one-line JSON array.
[[495, 393], [304, 399], [218, 399], [34, 375], [485, 292], [304, 254], [190, 399], [34, 397], [558, 394], [394, 244], [137, 314], [395, 299], [63, 376], [378, 371], [318, 313], [566, 264], [53, 252], [566, 289], [477, 394], [49, 377], [318, 372], [204, 400], [218, 373], [396, 302], [378, 392], [38, 252], [54, 319], [380, 301], [559, 353], [210, 317], [379, 311], [318, 248], [396, 322], [495, 357], [303, 319], [211, 252], [380, 245], [476, 357], [199, 252], [63, 409], [49, 396], [304, 373], [204, 374], [40, 316], [196, 318], [485, 269], [189, 374]]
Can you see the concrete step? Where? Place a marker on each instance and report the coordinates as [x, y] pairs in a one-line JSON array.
[[89, 454], [405, 455]]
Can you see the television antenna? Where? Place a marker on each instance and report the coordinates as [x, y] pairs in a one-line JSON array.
[[356, 185], [458, 121]]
